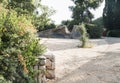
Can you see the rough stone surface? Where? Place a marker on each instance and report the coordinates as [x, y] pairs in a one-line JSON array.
[[53, 66], [50, 81], [42, 78], [50, 74], [48, 64], [42, 67], [49, 55], [75, 34], [42, 62], [59, 32], [42, 57]]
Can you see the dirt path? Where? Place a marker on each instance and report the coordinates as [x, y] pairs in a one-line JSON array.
[[100, 64]]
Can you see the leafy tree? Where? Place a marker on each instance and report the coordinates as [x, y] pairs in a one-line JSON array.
[[94, 30], [111, 17], [20, 6], [42, 20], [69, 23], [99, 22], [82, 16], [111, 14], [81, 10], [28, 8]]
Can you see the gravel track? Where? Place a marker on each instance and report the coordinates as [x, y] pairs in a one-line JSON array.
[[100, 64]]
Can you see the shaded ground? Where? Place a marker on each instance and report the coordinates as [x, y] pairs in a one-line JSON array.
[[100, 64]]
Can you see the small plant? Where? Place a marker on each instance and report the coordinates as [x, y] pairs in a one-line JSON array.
[[84, 36]]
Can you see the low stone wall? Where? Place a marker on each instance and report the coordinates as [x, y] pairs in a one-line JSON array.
[[47, 67]]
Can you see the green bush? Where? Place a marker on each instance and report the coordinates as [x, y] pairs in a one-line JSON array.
[[19, 48], [94, 31], [48, 26], [69, 23], [84, 36], [114, 33], [99, 22]]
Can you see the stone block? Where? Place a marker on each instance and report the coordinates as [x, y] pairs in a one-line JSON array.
[[49, 55], [42, 62], [50, 74], [48, 64], [42, 68]]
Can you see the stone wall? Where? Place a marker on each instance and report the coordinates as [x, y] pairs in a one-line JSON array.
[[47, 67]]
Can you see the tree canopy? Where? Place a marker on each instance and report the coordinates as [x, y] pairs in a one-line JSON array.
[[111, 14], [81, 10], [40, 18], [20, 6]]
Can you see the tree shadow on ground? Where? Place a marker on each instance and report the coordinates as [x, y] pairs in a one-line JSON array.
[[102, 69]]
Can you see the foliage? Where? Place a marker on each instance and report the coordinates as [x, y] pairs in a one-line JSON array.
[[20, 6], [50, 26], [19, 47], [69, 24], [94, 30], [99, 22], [114, 33], [41, 20], [81, 10], [111, 14], [84, 36]]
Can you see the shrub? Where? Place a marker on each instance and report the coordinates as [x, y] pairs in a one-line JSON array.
[[114, 33], [69, 23], [48, 26], [94, 31], [84, 37], [99, 22], [19, 48]]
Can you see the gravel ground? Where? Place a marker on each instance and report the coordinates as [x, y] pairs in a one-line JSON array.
[[100, 64]]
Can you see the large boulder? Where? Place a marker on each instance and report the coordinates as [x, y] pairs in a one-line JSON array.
[[75, 34], [59, 32]]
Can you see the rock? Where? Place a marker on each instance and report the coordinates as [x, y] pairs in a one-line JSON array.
[[53, 65], [50, 81], [42, 62], [49, 55], [36, 67], [59, 32], [48, 64], [62, 30], [42, 68], [50, 74], [75, 34], [42, 58], [41, 78]]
